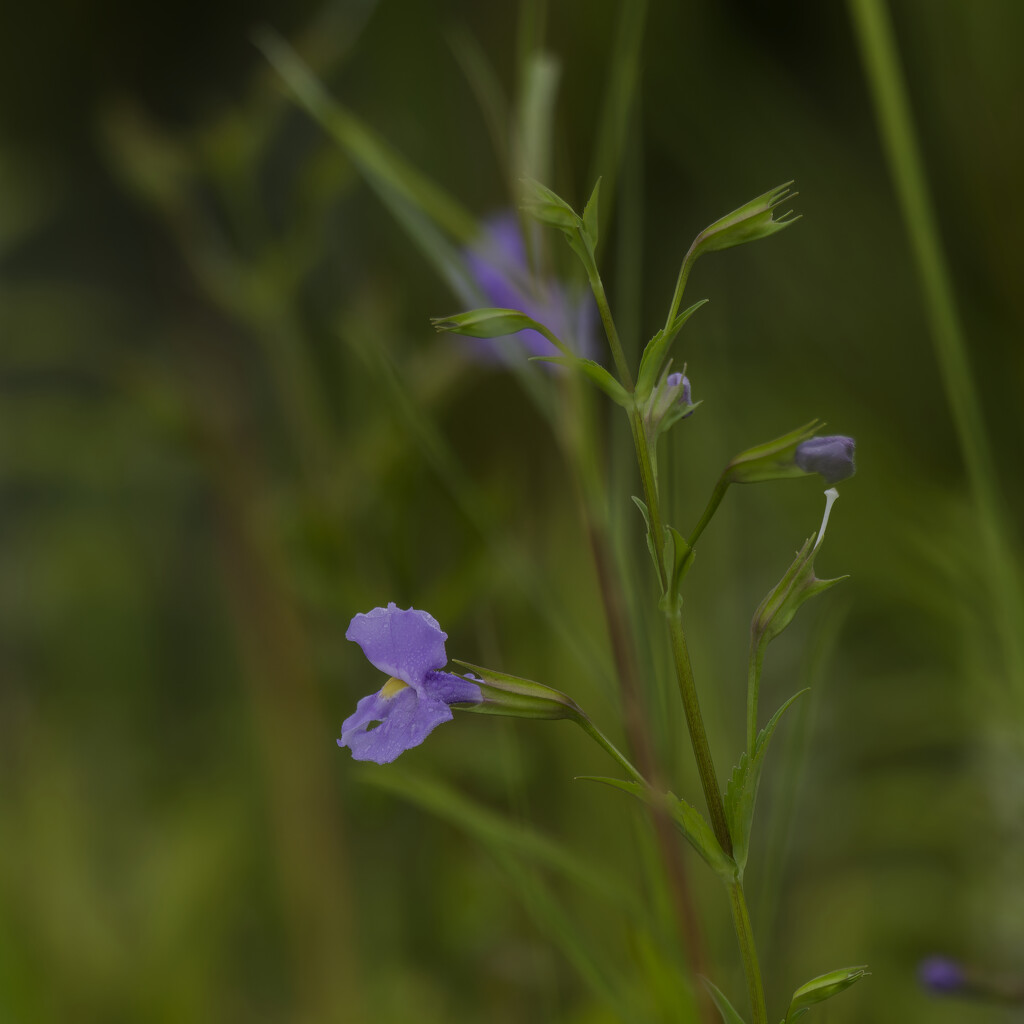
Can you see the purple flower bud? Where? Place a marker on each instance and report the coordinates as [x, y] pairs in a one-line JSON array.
[[680, 381], [941, 974], [832, 457]]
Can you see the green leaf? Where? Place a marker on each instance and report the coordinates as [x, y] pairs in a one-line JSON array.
[[548, 207], [741, 792], [657, 349], [686, 818], [682, 560], [648, 536], [825, 986], [590, 216], [597, 375], [725, 1008]]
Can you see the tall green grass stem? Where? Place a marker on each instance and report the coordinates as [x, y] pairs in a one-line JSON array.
[[892, 109]]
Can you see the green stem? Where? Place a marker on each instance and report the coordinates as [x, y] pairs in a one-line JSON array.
[[680, 652], [748, 950], [892, 109], [698, 735], [712, 507], [614, 342], [684, 273], [594, 733]]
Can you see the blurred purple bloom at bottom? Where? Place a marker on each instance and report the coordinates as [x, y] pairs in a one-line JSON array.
[[498, 265], [941, 974], [407, 645], [832, 457]]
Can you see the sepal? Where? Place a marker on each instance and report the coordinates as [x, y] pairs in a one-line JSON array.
[[773, 460], [799, 584], [504, 694], [751, 221], [492, 322], [825, 986]]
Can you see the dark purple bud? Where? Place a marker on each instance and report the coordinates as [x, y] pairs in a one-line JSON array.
[[941, 974], [832, 457]]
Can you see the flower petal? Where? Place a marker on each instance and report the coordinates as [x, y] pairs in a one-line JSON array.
[[405, 643], [406, 720]]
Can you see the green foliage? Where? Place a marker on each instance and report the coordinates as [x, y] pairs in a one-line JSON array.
[[741, 793], [656, 351], [729, 1013]]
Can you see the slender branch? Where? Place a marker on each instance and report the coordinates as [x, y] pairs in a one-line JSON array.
[[684, 273], [595, 733], [712, 507]]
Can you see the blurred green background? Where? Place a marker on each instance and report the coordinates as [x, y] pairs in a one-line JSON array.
[[226, 426]]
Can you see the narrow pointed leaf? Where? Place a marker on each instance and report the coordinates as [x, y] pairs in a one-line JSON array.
[[649, 537], [686, 818], [597, 375], [725, 1008], [658, 347], [741, 792], [682, 560]]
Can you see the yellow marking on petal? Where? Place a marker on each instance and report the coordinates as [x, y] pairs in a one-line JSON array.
[[392, 688]]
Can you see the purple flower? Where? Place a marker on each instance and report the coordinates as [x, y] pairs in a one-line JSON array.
[[941, 974], [498, 265], [832, 457], [407, 645]]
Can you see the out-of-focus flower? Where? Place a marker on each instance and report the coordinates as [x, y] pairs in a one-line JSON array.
[[832, 457], [941, 974], [407, 645], [498, 264]]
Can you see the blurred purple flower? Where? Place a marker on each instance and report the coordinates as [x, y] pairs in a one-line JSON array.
[[941, 974], [832, 457], [408, 645], [498, 266]]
